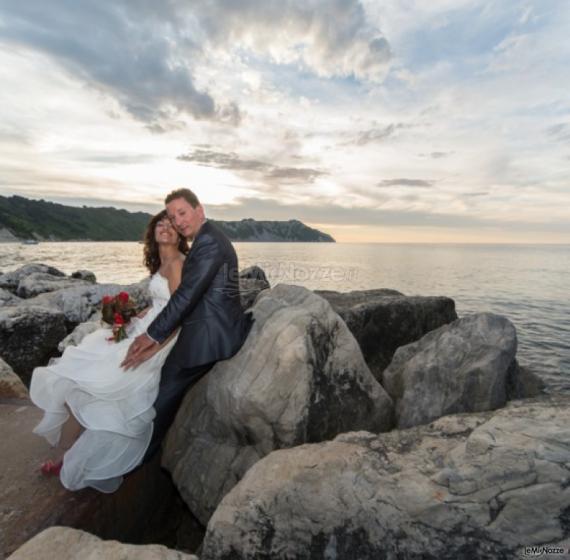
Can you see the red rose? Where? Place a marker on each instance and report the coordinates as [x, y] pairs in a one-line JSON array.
[[123, 297], [118, 320], [107, 300]]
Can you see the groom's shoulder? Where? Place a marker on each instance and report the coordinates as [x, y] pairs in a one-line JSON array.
[[213, 230], [212, 235]]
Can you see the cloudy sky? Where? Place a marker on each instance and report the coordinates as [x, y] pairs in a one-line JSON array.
[[373, 120]]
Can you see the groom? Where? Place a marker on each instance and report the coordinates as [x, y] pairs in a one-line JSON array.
[[206, 306]]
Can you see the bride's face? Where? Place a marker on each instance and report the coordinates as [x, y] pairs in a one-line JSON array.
[[164, 233]]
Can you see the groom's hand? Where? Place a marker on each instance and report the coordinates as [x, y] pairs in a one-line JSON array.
[[141, 349]]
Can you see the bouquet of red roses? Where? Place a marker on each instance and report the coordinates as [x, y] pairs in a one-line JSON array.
[[118, 311]]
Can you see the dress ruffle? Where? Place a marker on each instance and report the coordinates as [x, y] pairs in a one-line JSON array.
[[114, 406]]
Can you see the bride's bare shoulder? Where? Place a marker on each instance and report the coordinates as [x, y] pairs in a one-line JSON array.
[[173, 273]]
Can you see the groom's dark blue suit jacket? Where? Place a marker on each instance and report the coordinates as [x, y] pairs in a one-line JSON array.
[[206, 304]]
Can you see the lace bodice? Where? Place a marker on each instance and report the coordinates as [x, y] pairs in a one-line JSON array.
[[159, 291]]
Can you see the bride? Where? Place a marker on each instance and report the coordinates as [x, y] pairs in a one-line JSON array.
[[97, 414]]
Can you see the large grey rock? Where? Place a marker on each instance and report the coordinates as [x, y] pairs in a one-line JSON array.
[[461, 367], [383, 320], [249, 289], [29, 336], [252, 280], [41, 282], [79, 333], [523, 383], [254, 273], [78, 304], [8, 298], [300, 377], [11, 386], [463, 488], [10, 280], [63, 543], [85, 275]]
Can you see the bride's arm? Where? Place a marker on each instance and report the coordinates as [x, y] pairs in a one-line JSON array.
[[174, 275]]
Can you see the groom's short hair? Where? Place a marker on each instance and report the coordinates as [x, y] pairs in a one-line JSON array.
[[186, 194]]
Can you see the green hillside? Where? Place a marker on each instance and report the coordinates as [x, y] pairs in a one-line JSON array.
[[28, 219], [38, 219]]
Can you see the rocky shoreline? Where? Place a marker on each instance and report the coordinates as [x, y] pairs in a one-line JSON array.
[[350, 425]]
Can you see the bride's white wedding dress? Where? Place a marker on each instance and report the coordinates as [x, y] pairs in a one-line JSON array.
[[113, 405]]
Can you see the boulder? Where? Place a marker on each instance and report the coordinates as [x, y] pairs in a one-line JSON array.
[[41, 282], [65, 543], [461, 367], [299, 377], [78, 334], [11, 386], [8, 298], [29, 336], [383, 320], [85, 275], [79, 303], [252, 280], [249, 289], [10, 280], [465, 487], [254, 273], [523, 383]]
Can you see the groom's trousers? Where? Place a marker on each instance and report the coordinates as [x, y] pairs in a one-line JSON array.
[[174, 383]]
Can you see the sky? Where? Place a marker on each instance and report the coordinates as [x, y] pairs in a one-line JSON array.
[[372, 120]]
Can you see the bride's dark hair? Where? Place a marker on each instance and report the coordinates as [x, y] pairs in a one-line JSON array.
[[151, 258]]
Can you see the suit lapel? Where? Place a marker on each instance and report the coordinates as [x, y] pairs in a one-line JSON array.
[[201, 231]]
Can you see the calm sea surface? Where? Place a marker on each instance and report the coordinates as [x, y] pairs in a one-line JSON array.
[[527, 283]]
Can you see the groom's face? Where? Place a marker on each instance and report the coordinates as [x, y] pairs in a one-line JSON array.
[[184, 217]]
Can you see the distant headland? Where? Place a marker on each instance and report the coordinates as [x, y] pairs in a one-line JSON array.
[[25, 219]]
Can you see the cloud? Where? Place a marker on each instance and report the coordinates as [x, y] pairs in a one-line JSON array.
[[419, 183], [147, 55], [271, 173], [333, 214], [295, 174], [116, 49], [559, 132], [436, 155], [377, 133], [224, 161], [331, 38]]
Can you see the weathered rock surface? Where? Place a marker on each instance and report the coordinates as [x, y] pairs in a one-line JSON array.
[[252, 280], [64, 543], [84, 275], [523, 383], [464, 487], [461, 367], [78, 304], [10, 280], [383, 320], [8, 298], [29, 336], [254, 273], [11, 386], [300, 377], [41, 282], [78, 334]]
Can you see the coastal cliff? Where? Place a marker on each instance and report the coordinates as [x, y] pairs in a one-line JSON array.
[[22, 218]]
